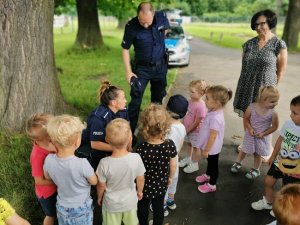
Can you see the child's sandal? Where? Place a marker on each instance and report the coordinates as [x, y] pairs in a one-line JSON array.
[[252, 174], [236, 167]]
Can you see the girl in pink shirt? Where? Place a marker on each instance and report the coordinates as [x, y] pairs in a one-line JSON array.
[[192, 122]]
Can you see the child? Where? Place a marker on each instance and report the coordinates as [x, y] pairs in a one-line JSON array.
[[159, 157], [45, 190], [286, 205], [260, 120], [177, 107], [8, 215], [112, 105], [288, 140], [72, 175], [192, 122], [212, 134], [116, 188]]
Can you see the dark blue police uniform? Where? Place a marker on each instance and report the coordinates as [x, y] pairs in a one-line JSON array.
[[149, 61], [95, 131]]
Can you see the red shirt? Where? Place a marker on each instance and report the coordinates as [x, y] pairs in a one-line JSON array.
[[37, 159]]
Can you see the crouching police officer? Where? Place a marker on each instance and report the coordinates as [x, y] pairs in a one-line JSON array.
[[146, 32]]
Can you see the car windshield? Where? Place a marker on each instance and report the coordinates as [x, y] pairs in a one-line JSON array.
[[175, 32]]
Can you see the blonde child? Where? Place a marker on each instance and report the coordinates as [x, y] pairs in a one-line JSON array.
[[286, 144], [159, 157], [8, 216], [286, 205], [177, 107], [72, 175], [212, 134], [45, 189], [117, 192], [260, 120], [192, 122]]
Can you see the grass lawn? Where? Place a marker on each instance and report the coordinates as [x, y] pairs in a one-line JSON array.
[[80, 76], [82, 72], [227, 35]]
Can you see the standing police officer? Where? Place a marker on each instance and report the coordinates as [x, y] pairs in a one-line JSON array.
[[146, 32]]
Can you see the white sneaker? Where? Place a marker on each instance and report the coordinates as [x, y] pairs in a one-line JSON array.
[[184, 162], [261, 204], [191, 167]]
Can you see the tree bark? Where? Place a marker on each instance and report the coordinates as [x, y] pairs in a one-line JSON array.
[[89, 33], [28, 79], [292, 24]]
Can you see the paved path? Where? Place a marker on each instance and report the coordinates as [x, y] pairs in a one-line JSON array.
[[230, 205]]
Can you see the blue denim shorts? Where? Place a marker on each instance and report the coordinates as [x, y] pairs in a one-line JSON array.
[[48, 205], [82, 215]]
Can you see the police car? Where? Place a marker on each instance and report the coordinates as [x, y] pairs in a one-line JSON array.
[[176, 42]]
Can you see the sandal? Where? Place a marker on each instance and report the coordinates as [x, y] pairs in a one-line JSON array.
[[252, 174], [236, 167]]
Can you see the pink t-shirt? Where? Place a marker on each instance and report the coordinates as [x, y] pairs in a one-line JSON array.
[[214, 120], [195, 109], [37, 159]]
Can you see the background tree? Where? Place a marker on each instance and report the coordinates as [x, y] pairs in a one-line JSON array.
[[121, 9], [292, 24], [89, 34], [28, 79]]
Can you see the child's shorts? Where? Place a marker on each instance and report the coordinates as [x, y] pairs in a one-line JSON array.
[[81, 215], [275, 172], [290, 180], [49, 205], [128, 217], [192, 138]]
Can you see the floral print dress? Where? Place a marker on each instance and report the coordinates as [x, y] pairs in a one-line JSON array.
[[259, 68]]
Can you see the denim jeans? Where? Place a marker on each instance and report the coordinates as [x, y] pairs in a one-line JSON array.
[[82, 215]]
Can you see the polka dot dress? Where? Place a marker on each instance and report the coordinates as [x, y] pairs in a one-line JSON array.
[[258, 69], [156, 158]]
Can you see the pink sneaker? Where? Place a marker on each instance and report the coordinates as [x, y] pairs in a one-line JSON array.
[[202, 179], [206, 188]]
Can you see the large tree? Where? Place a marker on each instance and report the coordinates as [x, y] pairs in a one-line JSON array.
[[292, 24], [89, 33], [28, 79]]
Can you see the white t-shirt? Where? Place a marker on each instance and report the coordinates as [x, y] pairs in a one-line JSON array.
[[119, 175], [70, 175], [177, 135]]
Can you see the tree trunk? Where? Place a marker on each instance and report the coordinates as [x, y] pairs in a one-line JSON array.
[[89, 33], [122, 23], [28, 79], [292, 24]]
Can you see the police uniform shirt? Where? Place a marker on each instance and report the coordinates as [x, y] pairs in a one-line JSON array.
[[97, 122], [149, 45]]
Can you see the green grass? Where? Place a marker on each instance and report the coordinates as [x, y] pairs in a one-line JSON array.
[[80, 77], [16, 184], [233, 35], [82, 72]]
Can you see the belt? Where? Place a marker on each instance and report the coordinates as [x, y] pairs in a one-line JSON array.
[[150, 64]]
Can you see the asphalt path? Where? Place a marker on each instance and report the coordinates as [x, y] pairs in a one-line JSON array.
[[230, 204]]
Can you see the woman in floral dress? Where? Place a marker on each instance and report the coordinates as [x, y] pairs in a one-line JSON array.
[[264, 61]]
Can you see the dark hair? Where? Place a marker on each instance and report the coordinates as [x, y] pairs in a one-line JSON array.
[[296, 101], [107, 92], [270, 15], [143, 6]]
